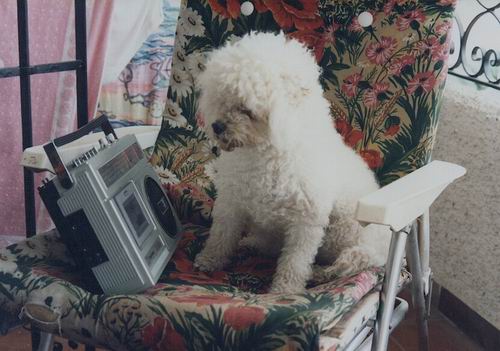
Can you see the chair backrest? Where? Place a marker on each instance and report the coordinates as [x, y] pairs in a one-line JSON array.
[[383, 69]]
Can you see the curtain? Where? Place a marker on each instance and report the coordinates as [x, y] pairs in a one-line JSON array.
[[139, 93], [51, 30]]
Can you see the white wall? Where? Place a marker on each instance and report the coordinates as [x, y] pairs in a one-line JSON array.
[[465, 221]]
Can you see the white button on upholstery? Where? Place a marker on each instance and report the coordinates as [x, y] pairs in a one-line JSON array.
[[365, 19], [247, 8]]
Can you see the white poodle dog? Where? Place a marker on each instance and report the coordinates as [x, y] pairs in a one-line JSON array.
[[285, 176]]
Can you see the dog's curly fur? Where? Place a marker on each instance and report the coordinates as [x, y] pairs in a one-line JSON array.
[[285, 176]]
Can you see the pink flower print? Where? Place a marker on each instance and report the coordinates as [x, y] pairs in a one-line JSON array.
[[390, 5], [431, 46], [424, 80], [443, 28], [404, 21], [329, 33], [399, 64], [380, 52], [371, 96], [200, 120], [362, 284], [441, 78], [444, 52], [447, 2], [350, 86]]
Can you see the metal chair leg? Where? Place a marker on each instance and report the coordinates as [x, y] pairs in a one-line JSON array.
[[46, 342], [35, 338], [423, 232], [389, 290], [417, 289]]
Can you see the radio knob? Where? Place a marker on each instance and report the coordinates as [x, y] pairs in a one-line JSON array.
[[110, 138], [103, 143]]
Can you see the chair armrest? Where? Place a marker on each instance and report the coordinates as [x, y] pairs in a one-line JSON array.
[[35, 158], [404, 200]]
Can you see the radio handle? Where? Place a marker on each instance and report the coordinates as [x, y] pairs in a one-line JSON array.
[[102, 122], [51, 148]]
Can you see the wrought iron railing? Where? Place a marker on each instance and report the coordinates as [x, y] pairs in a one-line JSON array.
[[471, 59]]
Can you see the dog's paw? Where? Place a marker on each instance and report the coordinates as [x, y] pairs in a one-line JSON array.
[[208, 263], [343, 269], [287, 286], [323, 274], [350, 261], [326, 274]]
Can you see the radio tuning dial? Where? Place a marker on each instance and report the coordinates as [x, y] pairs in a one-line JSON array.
[[110, 138]]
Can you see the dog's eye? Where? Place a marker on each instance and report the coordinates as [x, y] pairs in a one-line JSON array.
[[246, 112]]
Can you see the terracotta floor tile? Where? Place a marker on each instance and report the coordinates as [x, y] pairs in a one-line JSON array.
[[443, 336], [411, 315], [17, 340], [20, 340], [394, 345]]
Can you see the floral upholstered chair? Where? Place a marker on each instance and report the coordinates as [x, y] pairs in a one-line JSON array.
[[383, 69]]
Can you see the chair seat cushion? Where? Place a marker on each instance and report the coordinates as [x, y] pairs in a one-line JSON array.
[[185, 310]]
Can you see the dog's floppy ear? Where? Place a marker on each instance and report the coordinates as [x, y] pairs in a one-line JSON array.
[[284, 123], [295, 88], [299, 73]]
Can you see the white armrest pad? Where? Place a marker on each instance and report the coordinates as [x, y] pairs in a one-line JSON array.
[[36, 159], [404, 200]]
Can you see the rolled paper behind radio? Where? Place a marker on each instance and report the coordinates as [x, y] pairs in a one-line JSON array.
[[112, 213]]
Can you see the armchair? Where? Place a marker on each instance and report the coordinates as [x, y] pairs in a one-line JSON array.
[[384, 76]]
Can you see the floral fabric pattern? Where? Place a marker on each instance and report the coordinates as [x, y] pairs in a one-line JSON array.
[[186, 310], [384, 81]]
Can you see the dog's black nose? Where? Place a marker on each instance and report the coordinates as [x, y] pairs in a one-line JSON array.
[[218, 127]]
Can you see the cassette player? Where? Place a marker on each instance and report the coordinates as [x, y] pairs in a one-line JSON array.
[[111, 211]]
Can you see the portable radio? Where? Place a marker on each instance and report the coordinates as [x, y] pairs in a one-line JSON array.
[[111, 211]]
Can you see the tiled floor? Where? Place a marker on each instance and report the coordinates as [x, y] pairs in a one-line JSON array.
[[20, 340], [444, 336]]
